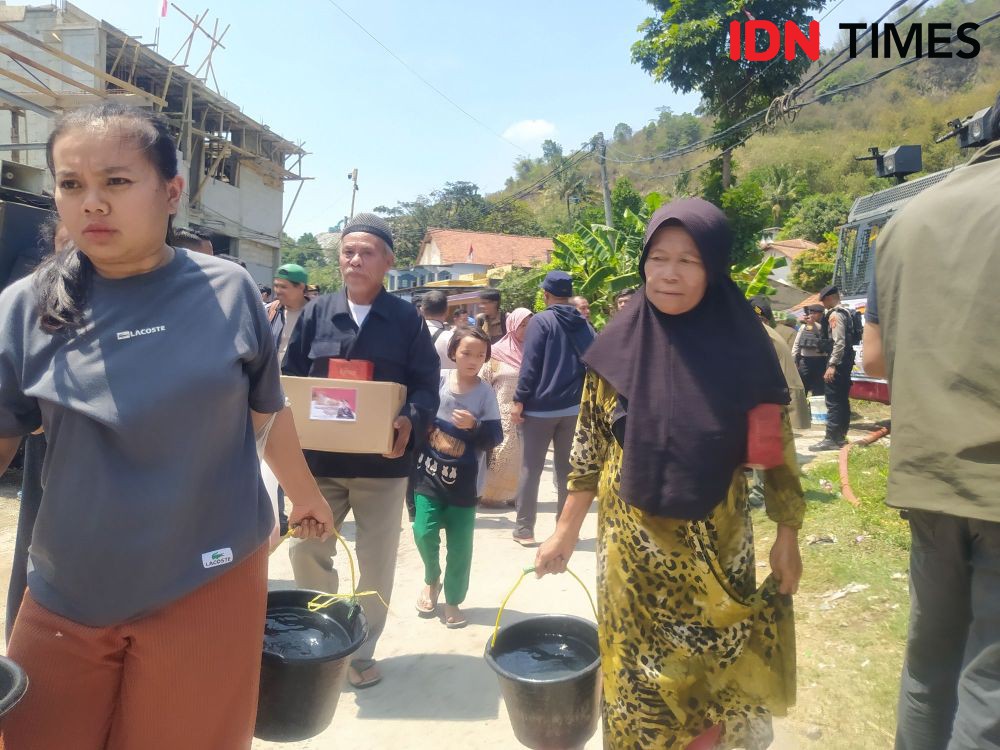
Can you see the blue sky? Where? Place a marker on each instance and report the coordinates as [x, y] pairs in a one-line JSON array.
[[530, 69]]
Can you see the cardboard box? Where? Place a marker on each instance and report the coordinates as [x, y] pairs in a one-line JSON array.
[[344, 416]]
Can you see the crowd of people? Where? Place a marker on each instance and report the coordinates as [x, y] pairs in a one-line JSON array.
[[127, 356]]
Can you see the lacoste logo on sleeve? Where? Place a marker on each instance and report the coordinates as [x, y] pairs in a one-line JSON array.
[[123, 335]]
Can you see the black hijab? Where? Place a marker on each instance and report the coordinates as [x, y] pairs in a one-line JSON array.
[[686, 382]]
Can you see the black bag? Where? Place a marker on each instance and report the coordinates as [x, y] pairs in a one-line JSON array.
[[854, 327]]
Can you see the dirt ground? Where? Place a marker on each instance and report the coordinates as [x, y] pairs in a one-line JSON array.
[[437, 689]]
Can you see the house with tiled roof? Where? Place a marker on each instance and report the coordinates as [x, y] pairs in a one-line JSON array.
[[448, 255], [787, 250]]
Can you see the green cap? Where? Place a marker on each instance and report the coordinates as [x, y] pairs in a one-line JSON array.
[[293, 272]]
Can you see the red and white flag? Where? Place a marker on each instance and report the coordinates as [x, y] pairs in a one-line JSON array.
[[163, 9]]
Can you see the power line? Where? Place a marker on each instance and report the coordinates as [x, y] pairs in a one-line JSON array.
[[795, 106], [573, 160], [774, 61], [423, 80], [705, 163], [881, 74], [813, 80]]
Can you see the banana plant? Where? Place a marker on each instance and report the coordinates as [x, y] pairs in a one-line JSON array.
[[752, 280]]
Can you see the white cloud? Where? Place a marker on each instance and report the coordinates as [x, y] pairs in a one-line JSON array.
[[529, 132]]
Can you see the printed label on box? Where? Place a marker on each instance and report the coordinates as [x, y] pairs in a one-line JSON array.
[[333, 405]]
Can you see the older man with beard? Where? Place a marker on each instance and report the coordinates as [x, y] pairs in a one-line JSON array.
[[364, 322]]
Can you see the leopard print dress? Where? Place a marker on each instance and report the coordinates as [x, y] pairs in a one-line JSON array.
[[687, 639]]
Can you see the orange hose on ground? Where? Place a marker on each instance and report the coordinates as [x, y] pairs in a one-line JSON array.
[[845, 481]]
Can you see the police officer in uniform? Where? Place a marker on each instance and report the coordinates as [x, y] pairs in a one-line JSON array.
[[807, 349], [837, 376]]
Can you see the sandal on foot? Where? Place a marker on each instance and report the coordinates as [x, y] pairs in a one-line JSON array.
[[455, 624], [428, 605], [359, 667]]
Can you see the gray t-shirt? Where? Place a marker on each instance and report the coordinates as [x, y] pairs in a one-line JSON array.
[[152, 484], [453, 464]]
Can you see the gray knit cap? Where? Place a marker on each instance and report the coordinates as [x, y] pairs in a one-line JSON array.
[[370, 223]]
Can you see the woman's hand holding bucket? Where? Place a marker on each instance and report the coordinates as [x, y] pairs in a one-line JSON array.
[[311, 519], [554, 553]]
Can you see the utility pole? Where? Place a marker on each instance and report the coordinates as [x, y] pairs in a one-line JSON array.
[[353, 175], [602, 161]]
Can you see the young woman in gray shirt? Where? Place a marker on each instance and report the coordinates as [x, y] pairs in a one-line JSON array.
[[151, 370]]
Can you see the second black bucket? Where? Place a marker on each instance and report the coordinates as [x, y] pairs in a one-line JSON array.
[[304, 663], [557, 705], [13, 684]]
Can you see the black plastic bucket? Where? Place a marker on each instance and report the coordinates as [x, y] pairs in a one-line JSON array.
[[13, 684], [301, 679], [552, 708]]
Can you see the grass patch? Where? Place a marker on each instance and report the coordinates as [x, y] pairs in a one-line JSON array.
[[849, 645], [869, 412]]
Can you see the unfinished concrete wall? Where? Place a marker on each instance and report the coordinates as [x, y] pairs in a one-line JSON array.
[[74, 35], [261, 260]]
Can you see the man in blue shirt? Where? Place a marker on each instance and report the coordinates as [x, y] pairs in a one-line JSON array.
[[364, 322], [547, 399]]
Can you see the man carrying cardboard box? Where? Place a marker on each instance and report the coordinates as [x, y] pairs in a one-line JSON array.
[[364, 322]]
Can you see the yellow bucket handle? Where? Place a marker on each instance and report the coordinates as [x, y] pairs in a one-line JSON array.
[[322, 601], [526, 572]]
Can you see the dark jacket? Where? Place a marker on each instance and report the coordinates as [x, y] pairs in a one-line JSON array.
[[551, 372], [395, 339]]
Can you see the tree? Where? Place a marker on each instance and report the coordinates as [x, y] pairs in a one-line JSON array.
[[815, 216], [781, 188], [813, 269], [748, 213], [686, 45], [510, 218], [623, 196], [552, 152], [301, 251], [622, 132], [519, 288], [569, 185]]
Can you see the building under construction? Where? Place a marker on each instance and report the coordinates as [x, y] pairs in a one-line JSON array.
[[56, 57]]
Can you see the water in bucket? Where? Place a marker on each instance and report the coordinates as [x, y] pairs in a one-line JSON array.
[[293, 632], [547, 657], [549, 672], [303, 663]]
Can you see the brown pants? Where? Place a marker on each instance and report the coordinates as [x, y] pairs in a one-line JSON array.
[[183, 677]]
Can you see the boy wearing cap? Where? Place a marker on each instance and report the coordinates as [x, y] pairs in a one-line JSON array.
[[547, 399], [290, 284]]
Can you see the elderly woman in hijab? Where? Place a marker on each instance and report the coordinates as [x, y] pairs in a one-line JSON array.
[[693, 654], [503, 467]]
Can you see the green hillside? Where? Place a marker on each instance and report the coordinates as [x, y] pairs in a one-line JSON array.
[[911, 105], [799, 174]]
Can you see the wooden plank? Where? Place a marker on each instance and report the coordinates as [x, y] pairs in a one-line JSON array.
[[188, 117], [166, 88], [118, 57], [28, 83], [18, 34], [48, 71], [211, 170]]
